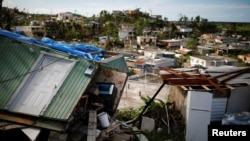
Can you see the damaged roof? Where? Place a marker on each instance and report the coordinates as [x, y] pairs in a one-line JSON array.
[[220, 81], [39, 86], [241, 75], [116, 62]]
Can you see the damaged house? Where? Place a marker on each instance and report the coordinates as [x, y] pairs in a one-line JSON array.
[[48, 86], [209, 97]]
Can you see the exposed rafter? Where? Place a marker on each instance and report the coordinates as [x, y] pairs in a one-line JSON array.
[[178, 78]]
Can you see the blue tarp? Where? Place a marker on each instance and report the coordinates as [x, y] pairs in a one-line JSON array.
[[78, 49]]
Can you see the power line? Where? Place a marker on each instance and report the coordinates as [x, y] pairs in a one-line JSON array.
[[39, 69]]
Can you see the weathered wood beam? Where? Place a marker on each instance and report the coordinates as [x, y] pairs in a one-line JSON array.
[[184, 88], [230, 87], [206, 88]]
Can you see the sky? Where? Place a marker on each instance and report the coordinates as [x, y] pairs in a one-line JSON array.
[[213, 10]]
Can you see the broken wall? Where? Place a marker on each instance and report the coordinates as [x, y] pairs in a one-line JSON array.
[[178, 95], [111, 76]]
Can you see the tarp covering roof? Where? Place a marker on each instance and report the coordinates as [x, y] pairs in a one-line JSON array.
[[75, 49]]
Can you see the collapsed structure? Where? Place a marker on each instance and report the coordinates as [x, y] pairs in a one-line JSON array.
[[205, 98], [50, 85]]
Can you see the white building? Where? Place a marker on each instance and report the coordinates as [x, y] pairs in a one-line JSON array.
[[32, 31], [172, 43], [207, 61], [146, 41], [184, 29], [68, 16], [126, 32]]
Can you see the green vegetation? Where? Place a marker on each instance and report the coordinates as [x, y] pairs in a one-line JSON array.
[[156, 110], [108, 25], [234, 28], [192, 44]]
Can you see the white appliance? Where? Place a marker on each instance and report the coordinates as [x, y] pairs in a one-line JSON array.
[[198, 113], [90, 70]]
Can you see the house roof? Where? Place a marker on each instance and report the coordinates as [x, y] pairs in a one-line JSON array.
[[17, 62], [243, 77], [140, 62], [214, 58], [205, 80], [116, 62]]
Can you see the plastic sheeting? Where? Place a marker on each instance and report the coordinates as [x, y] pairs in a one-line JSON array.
[[77, 49]]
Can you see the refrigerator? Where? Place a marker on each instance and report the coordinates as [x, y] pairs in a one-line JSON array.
[[198, 113]]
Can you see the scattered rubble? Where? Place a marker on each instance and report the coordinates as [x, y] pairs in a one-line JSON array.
[[154, 121]]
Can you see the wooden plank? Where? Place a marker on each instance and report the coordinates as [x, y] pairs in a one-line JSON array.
[[111, 128], [230, 87], [139, 136], [184, 88], [182, 78], [187, 82], [92, 126], [18, 119], [206, 88], [190, 88]]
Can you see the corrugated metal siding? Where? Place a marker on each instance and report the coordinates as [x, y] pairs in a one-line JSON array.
[[70, 92], [16, 60], [218, 108]]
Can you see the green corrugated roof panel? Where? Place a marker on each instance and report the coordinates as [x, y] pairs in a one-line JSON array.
[[70, 92], [16, 59], [117, 63]]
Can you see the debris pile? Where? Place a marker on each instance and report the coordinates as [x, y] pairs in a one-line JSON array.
[[159, 119]]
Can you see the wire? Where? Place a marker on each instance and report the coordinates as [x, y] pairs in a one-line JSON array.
[[39, 69]]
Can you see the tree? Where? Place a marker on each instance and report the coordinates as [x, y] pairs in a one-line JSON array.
[[140, 24], [7, 19], [173, 29], [1, 2], [183, 19], [109, 44], [192, 44]]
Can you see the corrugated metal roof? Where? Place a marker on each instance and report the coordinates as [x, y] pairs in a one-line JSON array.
[[70, 92], [116, 62], [17, 58]]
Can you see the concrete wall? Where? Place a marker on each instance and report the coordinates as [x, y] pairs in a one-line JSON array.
[[131, 97], [177, 95], [111, 76]]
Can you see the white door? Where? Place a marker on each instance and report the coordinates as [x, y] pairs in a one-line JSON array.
[[42, 85]]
